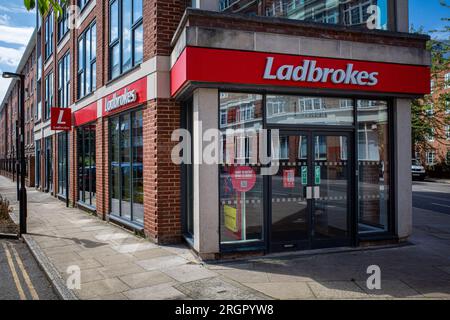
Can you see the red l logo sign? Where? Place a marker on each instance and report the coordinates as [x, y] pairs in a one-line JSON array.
[[61, 119]]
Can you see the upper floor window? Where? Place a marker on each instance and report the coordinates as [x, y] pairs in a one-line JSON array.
[[87, 61], [49, 35], [64, 81], [63, 24], [82, 3], [48, 95], [125, 35], [447, 80], [370, 14]]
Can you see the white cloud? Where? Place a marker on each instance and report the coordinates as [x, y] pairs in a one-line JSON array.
[[4, 19], [15, 35], [15, 9], [11, 56]]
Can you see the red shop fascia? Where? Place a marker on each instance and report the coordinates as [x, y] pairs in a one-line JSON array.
[[198, 65]]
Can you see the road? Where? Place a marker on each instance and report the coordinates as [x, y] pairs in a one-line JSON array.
[[20, 276], [431, 196]]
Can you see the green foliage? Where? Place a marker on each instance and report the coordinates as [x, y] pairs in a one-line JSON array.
[[429, 114], [45, 5]]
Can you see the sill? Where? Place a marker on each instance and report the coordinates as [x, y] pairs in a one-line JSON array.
[[122, 75], [257, 245], [377, 236], [189, 239], [87, 207], [90, 94], [62, 39], [125, 222], [47, 59], [61, 197]]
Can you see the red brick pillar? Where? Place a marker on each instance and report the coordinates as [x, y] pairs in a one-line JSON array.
[[162, 212], [102, 167], [73, 164]]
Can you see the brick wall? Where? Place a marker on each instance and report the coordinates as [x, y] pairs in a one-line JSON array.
[[162, 221]]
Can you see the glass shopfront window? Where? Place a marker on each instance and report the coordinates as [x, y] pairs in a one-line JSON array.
[[49, 164], [309, 200], [373, 165], [370, 14], [62, 164], [127, 188], [293, 110], [86, 165], [241, 201], [38, 163]]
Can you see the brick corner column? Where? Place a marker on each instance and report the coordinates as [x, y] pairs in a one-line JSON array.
[[162, 185]]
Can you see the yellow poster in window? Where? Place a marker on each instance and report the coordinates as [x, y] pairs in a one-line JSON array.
[[230, 218]]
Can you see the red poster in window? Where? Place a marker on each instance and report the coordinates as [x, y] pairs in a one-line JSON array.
[[243, 178], [61, 119], [289, 178]]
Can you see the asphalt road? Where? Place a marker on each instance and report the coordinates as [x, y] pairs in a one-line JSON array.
[[432, 196], [20, 276]]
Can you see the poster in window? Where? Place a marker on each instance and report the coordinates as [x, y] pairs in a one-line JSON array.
[[289, 178]]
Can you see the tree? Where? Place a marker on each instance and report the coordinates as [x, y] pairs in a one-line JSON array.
[[44, 5], [429, 114]]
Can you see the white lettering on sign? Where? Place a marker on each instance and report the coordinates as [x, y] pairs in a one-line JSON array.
[[119, 101], [310, 72], [60, 118]]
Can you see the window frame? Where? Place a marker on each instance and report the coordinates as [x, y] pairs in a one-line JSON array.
[[82, 67], [112, 43], [49, 95], [48, 46], [63, 24], [119, 215], [64, 81]]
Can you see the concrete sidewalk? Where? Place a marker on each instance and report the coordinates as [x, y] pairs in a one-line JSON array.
[[115, 264]]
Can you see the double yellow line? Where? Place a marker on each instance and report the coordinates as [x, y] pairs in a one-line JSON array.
[[23, 271]]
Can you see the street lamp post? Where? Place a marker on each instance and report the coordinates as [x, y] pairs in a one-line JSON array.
[[23, 190]]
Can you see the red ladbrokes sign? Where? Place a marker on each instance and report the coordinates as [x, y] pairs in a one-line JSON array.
[[61, 119], [258, 68]]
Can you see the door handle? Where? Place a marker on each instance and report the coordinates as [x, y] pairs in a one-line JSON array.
[[308, 193], [316, 192]]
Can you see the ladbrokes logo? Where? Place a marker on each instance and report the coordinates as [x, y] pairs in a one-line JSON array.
[[310, 72], [119, 101]]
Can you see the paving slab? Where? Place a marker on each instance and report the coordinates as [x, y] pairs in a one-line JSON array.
[[164, 291], [101, 288], [162, 262], [189, 272], [283, 290], [218, 289], [337, 290], [145, 279]]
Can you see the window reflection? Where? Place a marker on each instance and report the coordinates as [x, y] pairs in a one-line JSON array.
[[127, 186], [373, 164], [241, 201], [309, 110], [355, 13]]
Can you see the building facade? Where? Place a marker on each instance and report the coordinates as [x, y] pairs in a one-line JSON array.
[[9, 117], [293, 113], [436, 156]]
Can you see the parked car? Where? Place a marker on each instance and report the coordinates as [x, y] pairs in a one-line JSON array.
[[417, 170]]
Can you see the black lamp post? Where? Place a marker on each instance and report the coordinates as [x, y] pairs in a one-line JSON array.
[[21, 115]]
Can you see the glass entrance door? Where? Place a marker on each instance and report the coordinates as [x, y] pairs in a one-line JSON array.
[[310, 203]]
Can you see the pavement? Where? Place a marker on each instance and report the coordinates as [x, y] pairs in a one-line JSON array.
[[115, 264]]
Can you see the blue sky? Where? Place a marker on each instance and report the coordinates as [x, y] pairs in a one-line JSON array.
[[428, 14], [16, 27]]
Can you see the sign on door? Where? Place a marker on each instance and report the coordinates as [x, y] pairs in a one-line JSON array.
[[61, 119]]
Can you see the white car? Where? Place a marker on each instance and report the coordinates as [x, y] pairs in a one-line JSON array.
[[418, 171]]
